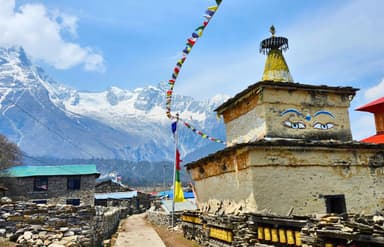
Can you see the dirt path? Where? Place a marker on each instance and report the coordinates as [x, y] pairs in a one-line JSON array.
[[136, 232], [173, 238]]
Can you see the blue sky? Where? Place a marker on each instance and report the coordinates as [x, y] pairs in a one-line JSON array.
[[92, 45]]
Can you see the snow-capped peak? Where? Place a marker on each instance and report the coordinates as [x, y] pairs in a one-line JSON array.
[[129, 124]]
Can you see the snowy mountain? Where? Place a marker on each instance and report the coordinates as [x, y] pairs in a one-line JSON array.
[[47, 119]]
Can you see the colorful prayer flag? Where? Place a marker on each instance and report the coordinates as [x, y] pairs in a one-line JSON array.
[[178, 189]]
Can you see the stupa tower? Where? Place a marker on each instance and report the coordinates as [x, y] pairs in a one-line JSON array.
[[289, 146], [276, 69]]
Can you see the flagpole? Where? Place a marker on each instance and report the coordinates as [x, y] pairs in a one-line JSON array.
[[174, 172]]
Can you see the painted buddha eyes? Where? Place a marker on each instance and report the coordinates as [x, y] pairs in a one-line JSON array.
[[301, 125], [294, 125], [321, 126]]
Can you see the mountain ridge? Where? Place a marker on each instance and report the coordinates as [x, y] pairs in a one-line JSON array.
[[48, 119]]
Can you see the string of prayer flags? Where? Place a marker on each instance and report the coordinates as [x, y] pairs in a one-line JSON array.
[[198, 32], [203, 135]]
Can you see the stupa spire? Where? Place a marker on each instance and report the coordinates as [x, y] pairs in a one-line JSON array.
[[276, 69]]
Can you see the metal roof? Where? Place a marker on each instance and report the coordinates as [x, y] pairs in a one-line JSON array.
[[169, 194], [60, 170], [116, 195]]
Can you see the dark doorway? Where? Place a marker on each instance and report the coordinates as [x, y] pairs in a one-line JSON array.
[[335, 204]]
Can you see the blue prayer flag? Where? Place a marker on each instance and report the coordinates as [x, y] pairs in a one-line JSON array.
[[174, 127]]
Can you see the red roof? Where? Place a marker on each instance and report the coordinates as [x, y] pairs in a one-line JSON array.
[[374, 106], [378, 139]]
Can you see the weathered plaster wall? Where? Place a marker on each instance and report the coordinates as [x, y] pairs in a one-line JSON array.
[[246, 121], [280, 177], [57, 193], [288, 113], [232, 191], [309, 104], [247, 127], [303, 189]]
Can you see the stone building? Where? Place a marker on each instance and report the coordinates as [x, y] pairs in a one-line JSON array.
[[63, 184], [110, 185], [290, 150]]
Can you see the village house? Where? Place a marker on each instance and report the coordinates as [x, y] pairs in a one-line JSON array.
[[110, 185], [62, 184], [290, 150]]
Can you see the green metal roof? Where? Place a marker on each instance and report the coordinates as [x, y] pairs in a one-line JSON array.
[[60, 170]]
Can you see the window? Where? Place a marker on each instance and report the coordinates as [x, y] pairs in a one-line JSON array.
[[40, 201], [40, 184], [335, 204], [74, 202], [73, 183]]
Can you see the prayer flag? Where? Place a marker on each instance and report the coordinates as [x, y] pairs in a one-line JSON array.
[[213, 8], [174, 127], [178, 190]]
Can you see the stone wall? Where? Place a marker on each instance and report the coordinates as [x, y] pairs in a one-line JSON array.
[[107, 221], [158, 216], [22, 189], [163, 218], [31, 224]]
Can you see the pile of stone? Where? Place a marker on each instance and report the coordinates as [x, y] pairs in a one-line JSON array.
[[62, 237], [368, 230], [30, 224], [245, 231]]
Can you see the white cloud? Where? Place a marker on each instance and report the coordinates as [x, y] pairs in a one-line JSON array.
[[67, 22], [376, 91], [40, 32]]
